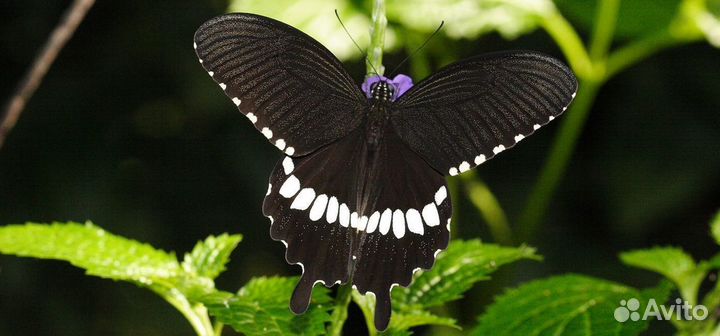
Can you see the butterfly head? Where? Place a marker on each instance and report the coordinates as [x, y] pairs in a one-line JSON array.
[[384, 89]]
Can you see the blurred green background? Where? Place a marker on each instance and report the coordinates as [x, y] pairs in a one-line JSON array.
[[128, 131]]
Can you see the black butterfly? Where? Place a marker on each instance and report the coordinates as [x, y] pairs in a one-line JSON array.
[[361, 195]]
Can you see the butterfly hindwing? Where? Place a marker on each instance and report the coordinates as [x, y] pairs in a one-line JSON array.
[[410, 202], [346, 213], [291, 87], [471, 110]]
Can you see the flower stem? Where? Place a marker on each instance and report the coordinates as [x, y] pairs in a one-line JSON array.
[[377, 39], [340, 314]]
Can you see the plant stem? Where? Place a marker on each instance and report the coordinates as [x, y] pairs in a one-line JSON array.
[[640, 50], [377, 39], [484, 200], [57, 40], [195, 314], [569, 42], [604, 29], [556, 164], [340, 314]]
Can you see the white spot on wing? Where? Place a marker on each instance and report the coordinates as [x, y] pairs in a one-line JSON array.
[[437, 252], [318, 208], [430, 215], [290, 187], [290, 151], [303, 199], [440, 195], [280, 144], [498, 149], [288, 165], [223, 86], [414, 221], [385, 221], [398, 223], [194, 45], [373, 222], [354, 220], [269, 188], [362, 223], [448, 224], [211, 73], [453, 171], [536, 127], [551, 117], [332, 210], [480, 159], [252, 117], [237, 101], [519, 137], [464, 166], [318, 281], [266, 132], [344, 215], [284, 243]]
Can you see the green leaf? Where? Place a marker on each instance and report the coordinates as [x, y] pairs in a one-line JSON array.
[[715, 227], [407, 320], [672, 263], [89, 247], [463, 264], [109, 256], [567, 305], [209, 257], [471, 18], [261, 307]]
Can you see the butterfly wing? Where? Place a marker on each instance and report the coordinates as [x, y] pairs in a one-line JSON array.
[[291, 87], [471, 110], [349, 212]]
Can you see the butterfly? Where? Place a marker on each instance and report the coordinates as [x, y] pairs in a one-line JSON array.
[[360, 195]]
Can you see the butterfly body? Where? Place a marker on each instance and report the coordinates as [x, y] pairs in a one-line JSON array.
[[360, 196]]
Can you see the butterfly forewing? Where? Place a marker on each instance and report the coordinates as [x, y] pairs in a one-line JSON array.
[[292, 88], [469, 111]]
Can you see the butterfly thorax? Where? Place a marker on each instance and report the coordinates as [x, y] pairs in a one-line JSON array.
[[382, 94]]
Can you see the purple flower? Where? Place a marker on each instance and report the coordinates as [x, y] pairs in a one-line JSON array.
[[401, 83]]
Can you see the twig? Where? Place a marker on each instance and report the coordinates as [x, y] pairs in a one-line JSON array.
[[59, 37]]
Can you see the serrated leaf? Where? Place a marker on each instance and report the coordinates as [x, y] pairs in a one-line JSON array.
[[674, 264], [463, 264], [409, 319], [567, 305], [261, 307], [208, 258], [89, 247]]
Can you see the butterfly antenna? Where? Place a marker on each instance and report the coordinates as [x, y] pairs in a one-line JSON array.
[[362, 51], [442, 23]]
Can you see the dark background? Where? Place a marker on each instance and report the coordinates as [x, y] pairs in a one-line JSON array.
[[128, 131]]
